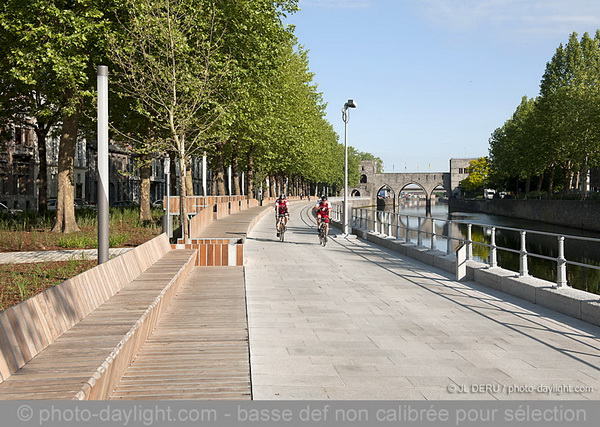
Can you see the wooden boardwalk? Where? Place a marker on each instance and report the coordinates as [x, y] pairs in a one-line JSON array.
[[233, 226], [199, 349], [61, 369]]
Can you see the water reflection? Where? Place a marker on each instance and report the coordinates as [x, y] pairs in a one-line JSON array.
[[575, 250]]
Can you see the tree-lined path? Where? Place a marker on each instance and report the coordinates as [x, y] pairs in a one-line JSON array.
[[355, 321]]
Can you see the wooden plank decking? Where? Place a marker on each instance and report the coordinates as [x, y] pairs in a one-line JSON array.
[[199, 349], [61, 370], [233, 226]]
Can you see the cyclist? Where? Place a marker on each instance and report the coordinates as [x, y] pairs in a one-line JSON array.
[[282, 205], [323, 209]]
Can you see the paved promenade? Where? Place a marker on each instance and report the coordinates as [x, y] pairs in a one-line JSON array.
[[65, 255], [355, 321]]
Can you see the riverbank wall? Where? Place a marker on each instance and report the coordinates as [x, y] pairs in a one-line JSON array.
[[581, 214]]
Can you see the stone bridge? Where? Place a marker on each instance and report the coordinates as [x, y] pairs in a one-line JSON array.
[[372, 182]]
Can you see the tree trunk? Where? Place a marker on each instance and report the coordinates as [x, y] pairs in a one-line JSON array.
[[540, 182], [568, 177], [220, 176], [583, 179], [250, 176], [267, 187], [551, 182], [183, 220], [527, 186], [41, 133], [173, 177], [145, 174], [65, 206], [235, 172], [189, 180]]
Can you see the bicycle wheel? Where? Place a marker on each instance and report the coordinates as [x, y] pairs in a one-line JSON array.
[[281, 231]]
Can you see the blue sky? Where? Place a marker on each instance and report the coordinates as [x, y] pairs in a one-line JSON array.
[[432, 78]]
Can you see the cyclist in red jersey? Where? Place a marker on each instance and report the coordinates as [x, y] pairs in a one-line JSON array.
[[323, 209], [282, 207]]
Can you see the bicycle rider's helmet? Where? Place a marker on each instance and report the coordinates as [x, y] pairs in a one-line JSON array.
[[323, 197], [282, 196]]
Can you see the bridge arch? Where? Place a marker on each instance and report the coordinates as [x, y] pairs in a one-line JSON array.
[[439, 188], [386, 197], [412, 183], [411, 190], [355, 193]]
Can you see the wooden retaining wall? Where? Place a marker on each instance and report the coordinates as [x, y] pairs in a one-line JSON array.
[[32, 325], [199, 203]]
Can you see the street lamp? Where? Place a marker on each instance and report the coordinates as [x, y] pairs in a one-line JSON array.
[[103, 184], [167, 168], [346, 119]]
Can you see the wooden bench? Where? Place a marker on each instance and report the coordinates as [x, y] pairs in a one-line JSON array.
[[75, 340], [199, 350]]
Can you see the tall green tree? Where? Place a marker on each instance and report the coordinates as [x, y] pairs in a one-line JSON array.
[[168, 58], [561, 128], [50, 48], [479, 174], [569, 105]]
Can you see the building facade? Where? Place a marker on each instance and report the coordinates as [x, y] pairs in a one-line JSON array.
[[19, 166], [459, 170]]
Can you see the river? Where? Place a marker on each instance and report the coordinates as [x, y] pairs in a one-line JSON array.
[[575, 250]]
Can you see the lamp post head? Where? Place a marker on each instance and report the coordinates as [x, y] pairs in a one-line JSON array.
[[350, 104]]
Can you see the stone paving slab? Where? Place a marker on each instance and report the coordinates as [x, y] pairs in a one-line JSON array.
[[64, 255], [377, 325]]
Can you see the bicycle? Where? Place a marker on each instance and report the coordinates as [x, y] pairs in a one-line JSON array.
[[322, 235], [281, 226]]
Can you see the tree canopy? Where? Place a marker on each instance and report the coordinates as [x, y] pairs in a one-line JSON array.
[[228, 78], [556, 134], [479, 174]]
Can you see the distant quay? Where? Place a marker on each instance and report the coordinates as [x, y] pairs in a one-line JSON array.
[[580, 214]]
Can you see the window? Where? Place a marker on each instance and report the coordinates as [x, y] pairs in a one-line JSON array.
[[18, 135], [28, 137]]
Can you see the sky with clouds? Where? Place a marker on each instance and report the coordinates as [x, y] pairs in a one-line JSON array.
[[432, 78]]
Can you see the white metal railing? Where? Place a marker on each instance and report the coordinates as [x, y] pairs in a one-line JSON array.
[[337, 206], [391, 224]]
